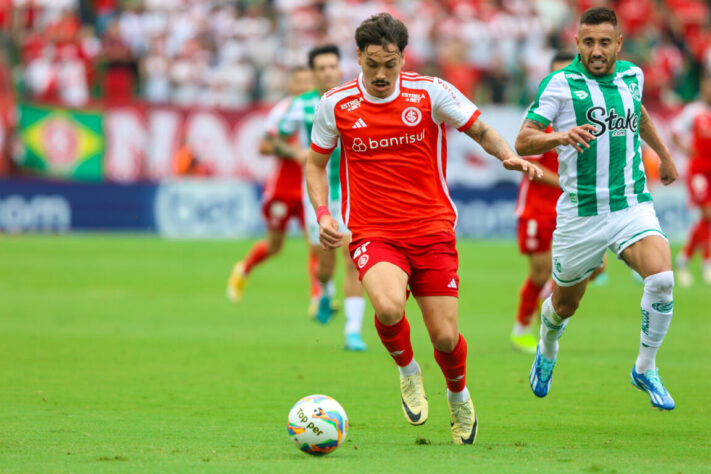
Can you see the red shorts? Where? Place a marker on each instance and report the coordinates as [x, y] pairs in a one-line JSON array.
[[277, 213], [431, 261], [535, 236], [699, 185]]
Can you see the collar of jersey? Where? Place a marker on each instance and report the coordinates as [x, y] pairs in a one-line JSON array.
[[577, 65], [378, 100]]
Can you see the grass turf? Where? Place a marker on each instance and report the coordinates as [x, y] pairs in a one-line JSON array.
[[121, 354]]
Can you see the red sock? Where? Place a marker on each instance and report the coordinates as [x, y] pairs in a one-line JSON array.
[[454, 365], [528, 302], [396, 339], [698, 237], [313, 267], [257, 254], [706, 238]]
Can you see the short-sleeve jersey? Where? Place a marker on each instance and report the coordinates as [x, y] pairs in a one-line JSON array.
[[695, 123], [393, 154], [608, 176], [538, 200], [300, 119], [284, 183]]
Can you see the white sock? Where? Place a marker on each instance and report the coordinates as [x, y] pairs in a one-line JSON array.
[[458, 397], [519, 329], [327, 289], [354, 309], [552, 327], [681, 260], [657, 310], [410, 369]]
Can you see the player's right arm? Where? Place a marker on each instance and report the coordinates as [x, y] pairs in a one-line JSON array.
[[532, 139], [288, 125], [548, 177], [324, 138]]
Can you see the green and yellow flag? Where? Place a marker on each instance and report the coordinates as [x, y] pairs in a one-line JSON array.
[[62, 143]]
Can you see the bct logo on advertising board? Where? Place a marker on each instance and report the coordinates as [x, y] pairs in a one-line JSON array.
[[40, 213], [206, 209]]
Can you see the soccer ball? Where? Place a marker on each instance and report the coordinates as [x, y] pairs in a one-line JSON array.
[[317, 424]]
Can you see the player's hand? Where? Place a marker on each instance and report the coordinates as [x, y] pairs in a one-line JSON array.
[[301, 156], [328, 233], [579, 137], [667, 171], [526, 167]]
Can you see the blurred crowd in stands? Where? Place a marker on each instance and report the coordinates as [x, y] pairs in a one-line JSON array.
[[233, 53]]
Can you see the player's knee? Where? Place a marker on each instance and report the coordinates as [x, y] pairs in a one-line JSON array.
[[660, 285], [445, 340], [388, 308], [566, 308]]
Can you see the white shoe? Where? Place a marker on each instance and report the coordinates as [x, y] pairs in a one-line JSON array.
[[414, 400]]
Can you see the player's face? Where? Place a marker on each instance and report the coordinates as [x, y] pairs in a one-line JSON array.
[[599, 46], [327, 71], [301, 81], [381, 68]]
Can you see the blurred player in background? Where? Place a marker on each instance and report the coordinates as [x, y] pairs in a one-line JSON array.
[[535, 208], [391, 129], [595, 104], [324, 61], [282, 198], [692, 134]]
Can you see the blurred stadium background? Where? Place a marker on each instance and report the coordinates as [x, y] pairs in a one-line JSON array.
[[99, 97]]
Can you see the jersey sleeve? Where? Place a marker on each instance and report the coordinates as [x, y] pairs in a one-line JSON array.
[[271, 124], [548, 100], [324, 134], [291, 119], [451, 106], [683, 123]]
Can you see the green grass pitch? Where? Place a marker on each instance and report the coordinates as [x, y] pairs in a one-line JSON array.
[[121, 354]]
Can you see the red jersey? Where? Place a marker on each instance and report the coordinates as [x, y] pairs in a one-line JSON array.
[[285, 182], [694, 123], [537, 200], [393, 154]]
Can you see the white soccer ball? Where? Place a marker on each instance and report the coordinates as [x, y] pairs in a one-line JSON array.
[[317, 424]]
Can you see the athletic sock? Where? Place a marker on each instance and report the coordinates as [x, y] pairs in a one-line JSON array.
[[257, 254], [354, 307], [396, 339], [698, 237], [410, 369], [552, 327], [657, 310], [454, 365], [528, 302], [327, 289], [458, 397]]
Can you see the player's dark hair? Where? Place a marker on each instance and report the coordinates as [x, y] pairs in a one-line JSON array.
[[562, 56], [381, 30], [598, 15], [325, 49]]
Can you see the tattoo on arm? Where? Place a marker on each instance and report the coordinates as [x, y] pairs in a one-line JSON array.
[[534, 124]]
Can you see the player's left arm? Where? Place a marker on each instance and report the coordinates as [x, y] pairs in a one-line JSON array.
[[648, 132], [317, 187], [494, 144]]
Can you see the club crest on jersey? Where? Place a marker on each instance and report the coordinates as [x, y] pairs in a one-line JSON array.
[[636, 93], [351, 105], [609, 120], [411, 116]]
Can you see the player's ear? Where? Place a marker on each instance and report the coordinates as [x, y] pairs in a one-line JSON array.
[[358, 55]]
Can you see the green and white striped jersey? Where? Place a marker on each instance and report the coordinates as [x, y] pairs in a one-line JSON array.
[[299, 117], [608, 176]]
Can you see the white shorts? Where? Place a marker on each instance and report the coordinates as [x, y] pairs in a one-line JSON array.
[[579, 243], [334, 207]]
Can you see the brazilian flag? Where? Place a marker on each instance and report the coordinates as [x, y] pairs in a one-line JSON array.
[[62, 143]]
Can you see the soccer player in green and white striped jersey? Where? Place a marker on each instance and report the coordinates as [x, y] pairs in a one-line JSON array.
[[595, 107]]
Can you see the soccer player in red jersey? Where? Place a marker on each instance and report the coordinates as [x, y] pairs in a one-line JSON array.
[[396, 203], [692, 134], [282, 195]]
